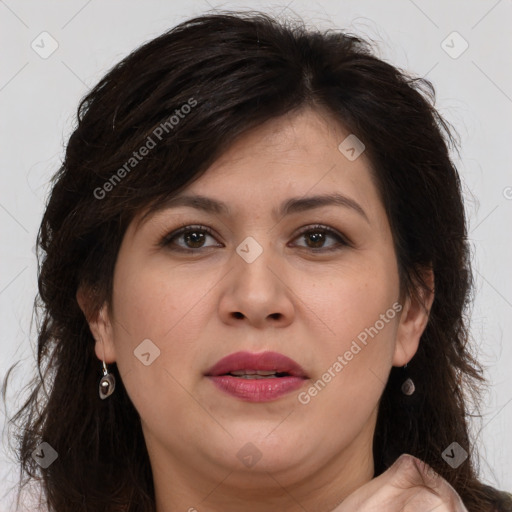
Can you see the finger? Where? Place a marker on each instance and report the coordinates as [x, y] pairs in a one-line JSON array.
[[408, 482], [415, 473], [370, 494]]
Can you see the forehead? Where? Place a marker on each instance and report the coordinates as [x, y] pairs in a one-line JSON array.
[[295, 155], [293, 136], [287, 158]]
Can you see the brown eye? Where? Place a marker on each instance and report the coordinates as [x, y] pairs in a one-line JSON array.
[[316, 236], [192, 238], [195, 238]]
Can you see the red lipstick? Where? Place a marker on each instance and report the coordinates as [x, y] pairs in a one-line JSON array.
[[261, 377]]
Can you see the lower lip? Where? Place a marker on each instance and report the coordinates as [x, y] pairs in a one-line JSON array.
[[257, 390]]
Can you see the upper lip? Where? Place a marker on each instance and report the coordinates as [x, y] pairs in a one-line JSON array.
[[261, 361]]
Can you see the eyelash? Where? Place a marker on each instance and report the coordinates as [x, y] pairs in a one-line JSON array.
[[168, 239]]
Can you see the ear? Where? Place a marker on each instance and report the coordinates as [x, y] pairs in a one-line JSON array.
[[413, 320], [99, 324]]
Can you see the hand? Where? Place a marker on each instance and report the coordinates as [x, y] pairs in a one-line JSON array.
[[409, 485]]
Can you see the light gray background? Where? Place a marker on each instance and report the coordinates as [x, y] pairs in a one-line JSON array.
[[38, 100]]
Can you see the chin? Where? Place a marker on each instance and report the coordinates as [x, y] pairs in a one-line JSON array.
[[255, 451]]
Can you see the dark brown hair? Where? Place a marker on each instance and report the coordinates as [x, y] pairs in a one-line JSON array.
[[236, 71]]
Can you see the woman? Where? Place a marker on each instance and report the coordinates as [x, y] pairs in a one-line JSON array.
[[246, 200]]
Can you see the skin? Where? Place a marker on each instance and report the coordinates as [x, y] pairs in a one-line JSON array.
[[201, 306], [409, 485]]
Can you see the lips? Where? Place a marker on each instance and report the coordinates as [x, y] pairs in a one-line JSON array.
[[263, 377], [257, 364]]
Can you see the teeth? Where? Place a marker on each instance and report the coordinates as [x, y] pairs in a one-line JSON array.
[[264, 373], [256, 377]]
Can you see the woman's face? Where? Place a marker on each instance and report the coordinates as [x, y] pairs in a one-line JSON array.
[[327, 298]]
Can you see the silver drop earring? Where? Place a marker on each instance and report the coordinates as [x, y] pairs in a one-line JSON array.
[[408, 386], [107, 383]]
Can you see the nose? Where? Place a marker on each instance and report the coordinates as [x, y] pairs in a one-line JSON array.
[[257, 292]]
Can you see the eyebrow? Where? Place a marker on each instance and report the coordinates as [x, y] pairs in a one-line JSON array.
[[290, 206]]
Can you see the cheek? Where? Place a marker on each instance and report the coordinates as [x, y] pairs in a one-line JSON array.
[[344, 394], [344, 300], [361, 310], [166, 305], [152, 305], [154, 300]]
